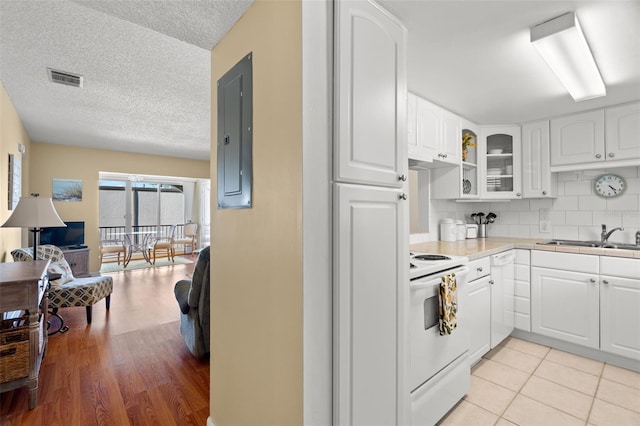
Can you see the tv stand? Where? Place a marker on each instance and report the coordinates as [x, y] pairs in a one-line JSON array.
[[78, 260]]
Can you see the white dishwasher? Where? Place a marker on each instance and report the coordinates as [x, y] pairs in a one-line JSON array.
[[502, 296]]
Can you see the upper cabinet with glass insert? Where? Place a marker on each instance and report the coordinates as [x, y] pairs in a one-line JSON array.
[[500, 162]]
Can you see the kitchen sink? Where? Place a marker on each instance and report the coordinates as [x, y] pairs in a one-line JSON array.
[[572, 243], [620, 246], [598, 244]]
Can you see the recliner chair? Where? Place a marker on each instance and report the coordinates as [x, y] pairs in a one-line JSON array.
[[193, 299]]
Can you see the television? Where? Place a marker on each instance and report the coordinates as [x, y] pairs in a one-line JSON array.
[[69, 237]]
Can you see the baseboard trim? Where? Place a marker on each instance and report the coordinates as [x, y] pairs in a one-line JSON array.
[[598, 355]]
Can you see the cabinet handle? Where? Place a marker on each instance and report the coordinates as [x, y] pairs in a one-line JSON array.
[[402, 196], [544, 192], [611, 154], [592, 280], [479, 269], [491, 282], [518, 194], [598, 155], [605, 282], [403, 178]]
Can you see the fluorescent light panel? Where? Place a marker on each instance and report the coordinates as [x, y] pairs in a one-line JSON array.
[[564, 48]]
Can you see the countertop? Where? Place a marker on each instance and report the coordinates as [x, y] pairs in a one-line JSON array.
[[481, 247]]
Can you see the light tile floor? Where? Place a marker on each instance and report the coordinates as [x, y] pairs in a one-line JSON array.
[[523, 383]]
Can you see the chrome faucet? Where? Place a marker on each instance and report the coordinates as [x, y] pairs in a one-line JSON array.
[[604, 235]]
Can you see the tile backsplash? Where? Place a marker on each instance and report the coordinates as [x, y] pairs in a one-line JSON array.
[[576, 214]]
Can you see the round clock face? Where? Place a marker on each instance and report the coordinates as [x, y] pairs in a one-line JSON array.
[[609, 185]]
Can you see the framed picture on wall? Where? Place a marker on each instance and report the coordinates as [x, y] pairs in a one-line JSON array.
[[67, 190], [15, 180]]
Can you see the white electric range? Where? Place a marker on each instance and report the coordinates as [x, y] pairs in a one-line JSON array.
[[439, 371]]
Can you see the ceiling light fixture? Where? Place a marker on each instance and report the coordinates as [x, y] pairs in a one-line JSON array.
[[563, 46]]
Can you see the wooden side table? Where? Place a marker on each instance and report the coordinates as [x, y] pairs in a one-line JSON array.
[[23, 287]]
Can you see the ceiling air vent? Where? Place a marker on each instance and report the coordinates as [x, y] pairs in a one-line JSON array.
[[63, 77]]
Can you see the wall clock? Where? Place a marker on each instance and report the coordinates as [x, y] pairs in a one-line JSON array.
[[609, 185]]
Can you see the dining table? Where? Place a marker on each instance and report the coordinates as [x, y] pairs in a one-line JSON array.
[[136, 241]]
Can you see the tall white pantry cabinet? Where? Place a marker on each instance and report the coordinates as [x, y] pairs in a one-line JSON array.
[[370, 217]]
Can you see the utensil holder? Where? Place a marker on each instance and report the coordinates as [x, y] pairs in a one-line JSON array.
[[482, 231]]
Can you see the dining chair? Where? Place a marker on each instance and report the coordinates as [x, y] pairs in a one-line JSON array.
[[189, 237], [113, 247], [162, 243]]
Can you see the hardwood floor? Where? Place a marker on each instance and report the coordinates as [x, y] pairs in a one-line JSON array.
[[129, 367]]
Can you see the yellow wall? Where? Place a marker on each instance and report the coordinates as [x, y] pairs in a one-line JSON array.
[[12, 133], [50, 161], [256, 296]]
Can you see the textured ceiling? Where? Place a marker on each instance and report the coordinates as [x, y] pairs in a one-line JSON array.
[[474, 57], [146, 69]]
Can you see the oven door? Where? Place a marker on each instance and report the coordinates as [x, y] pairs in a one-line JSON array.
[[431, 352]]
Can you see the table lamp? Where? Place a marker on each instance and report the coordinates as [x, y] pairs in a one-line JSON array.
[[34, 212]]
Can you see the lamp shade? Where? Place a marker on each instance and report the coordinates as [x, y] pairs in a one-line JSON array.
[[564, 48], [34, 212]]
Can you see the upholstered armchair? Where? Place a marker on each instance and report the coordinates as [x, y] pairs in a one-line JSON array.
[[193, 299], [68, 291]]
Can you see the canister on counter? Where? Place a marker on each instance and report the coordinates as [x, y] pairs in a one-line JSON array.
[[448, 230]]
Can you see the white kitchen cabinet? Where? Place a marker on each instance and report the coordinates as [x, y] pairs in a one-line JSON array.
[[565, 305], [370, 293], [620, 316], [523, 290], [371, 96], [622, 131], [537, 179], [412, 129], [578, 138], [478, 309], [565, 297], [500, 162], [620, 306], [451, 139], [370, 223], [502, 296], [437, 136], [428, 131]]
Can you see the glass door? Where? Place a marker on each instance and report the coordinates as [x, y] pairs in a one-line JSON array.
[[501, 162]]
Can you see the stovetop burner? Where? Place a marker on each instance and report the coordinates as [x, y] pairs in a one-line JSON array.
[[431, 257]]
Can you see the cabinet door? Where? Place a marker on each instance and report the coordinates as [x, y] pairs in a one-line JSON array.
[[429, 130], [412, 137], [78, 261], [565, 305], [478, 316], [371, 96], [536, 166], [623, 131], [578, 138], [500, 155], [620, 316], [451, 141], [370, 305]]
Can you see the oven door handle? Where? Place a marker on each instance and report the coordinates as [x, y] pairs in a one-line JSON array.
[[433, 281]]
